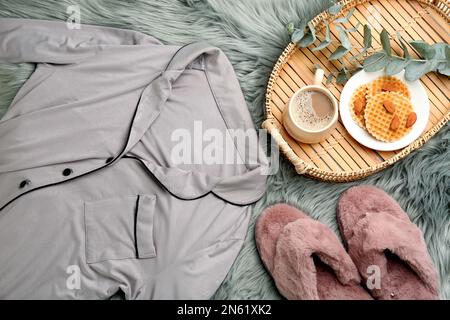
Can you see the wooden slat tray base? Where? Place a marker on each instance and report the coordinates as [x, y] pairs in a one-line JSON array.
[[340, 158]]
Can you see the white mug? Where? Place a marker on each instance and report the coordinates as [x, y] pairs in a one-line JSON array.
[[306, 135]]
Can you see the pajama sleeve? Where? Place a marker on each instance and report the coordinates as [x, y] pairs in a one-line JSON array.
[[40, 41]]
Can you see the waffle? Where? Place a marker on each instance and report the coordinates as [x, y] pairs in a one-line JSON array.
[[378, 120], [387, 84], [359, 99]]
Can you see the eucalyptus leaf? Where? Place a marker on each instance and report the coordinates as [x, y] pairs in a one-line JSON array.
[[326, 42], [321, 46], [444, 68], [327, 32], [335, 9], [441, 61], [416, 69], [434, 64], [375, 62], [367, 37], [353, 58], [290, 27], [367, 43], [342, 76], [357, 69], [358, 65], [440, 48], [424, 49], [297, 35], [307, 40], [309, 37], [395, 65], [406, 54], [343, 37], [355, 28], [386, 42], [346, 17], [339, 53], [329, 78]]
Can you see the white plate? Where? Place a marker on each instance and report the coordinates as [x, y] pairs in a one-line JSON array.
[[420, 104]]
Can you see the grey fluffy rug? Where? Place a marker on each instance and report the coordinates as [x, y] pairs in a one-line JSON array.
[[252, 34]]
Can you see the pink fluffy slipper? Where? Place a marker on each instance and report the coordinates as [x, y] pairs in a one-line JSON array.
[[384, 243], [305, 257]]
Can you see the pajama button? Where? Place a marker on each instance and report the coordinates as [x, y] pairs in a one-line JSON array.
[[67, 172], [24, 183]]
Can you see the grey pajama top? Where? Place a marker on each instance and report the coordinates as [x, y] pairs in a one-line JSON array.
[[91, 200]]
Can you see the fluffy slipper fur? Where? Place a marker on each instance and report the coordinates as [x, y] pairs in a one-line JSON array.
[[268, 228], [382, 240], [305, 257]]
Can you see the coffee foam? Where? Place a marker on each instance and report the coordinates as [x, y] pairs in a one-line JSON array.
[[304, 114]]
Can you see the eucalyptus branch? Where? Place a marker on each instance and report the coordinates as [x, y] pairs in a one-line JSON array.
[[434, 57], [418, 60]]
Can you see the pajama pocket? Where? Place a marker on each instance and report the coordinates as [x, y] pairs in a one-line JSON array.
[[120, 228]]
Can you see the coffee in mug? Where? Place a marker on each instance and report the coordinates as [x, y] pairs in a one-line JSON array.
[[312, 112]]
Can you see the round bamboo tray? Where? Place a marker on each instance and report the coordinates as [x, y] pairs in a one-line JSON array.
[[340, 158]]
